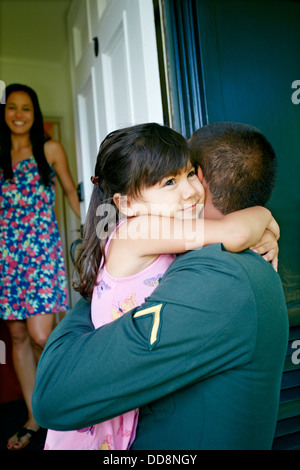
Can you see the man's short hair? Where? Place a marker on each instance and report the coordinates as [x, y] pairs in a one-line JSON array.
[[238, 163]]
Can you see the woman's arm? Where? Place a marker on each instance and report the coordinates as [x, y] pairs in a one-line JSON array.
[[57, 158]]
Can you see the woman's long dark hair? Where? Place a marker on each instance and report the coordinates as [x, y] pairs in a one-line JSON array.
[[129, 160], [37, 136]]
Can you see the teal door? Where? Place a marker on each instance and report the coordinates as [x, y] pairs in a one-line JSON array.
[[247, 56]]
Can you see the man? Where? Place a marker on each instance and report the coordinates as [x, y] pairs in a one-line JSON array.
[[203, 356]]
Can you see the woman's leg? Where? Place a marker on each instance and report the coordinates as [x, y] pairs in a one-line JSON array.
[[28, 340], [39, 329], [25, 367]]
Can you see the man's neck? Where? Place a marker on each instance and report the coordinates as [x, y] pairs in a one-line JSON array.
[[210, 211]]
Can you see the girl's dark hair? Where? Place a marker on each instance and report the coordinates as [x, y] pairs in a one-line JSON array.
[[129, 160], [37, 137]]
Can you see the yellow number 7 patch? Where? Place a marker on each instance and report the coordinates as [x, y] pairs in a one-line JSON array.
[[155, 310]]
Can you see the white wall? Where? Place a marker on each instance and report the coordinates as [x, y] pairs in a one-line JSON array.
[[34, 51]]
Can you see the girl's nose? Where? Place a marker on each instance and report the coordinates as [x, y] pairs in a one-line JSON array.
[[188, 190]]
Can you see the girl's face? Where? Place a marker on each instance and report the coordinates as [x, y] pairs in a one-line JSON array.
[[19, 113], [179, 196]]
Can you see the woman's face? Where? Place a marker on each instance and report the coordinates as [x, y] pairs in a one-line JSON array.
[[19, 113]]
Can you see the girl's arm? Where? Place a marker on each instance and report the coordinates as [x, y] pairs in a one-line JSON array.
[[242, 229], [268, 248], [237, 231]]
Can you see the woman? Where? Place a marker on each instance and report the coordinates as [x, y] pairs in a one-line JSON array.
[[33, 279]]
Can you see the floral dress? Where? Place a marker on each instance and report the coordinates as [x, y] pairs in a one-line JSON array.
[[32, 272]]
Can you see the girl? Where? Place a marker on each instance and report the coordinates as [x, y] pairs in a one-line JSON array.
[[33, 282], [149, 199]]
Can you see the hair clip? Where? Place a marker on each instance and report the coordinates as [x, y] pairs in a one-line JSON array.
[[95, 180]]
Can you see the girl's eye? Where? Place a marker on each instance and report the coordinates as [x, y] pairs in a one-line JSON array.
[[191, 174], [170, 182]]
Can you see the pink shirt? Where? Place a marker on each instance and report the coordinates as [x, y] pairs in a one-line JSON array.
[[114, 296]]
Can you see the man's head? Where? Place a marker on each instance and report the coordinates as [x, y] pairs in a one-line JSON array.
[[238, 164]]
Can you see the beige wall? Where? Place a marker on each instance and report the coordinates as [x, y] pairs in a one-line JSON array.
[[34, 51]]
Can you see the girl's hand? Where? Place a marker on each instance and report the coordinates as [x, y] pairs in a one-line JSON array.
[[267, 246], [274, 228]]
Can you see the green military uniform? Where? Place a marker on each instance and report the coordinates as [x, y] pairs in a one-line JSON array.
[[202, 358]]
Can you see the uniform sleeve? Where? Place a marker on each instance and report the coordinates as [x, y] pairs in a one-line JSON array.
[[184, 333]]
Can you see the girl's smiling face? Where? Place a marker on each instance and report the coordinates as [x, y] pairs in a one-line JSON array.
[[179, 196], [19, 113]]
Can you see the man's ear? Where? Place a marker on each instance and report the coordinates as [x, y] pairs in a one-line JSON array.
[[123, 203], [200, 174]]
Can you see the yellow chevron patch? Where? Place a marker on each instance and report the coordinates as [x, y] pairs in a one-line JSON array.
[[155, 311]]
